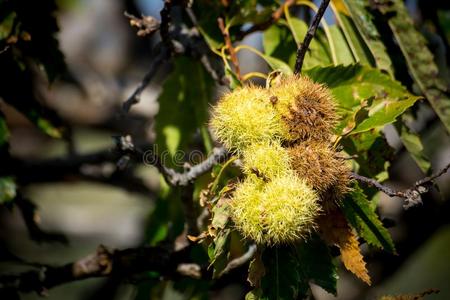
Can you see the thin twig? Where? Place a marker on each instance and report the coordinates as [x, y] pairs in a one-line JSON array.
[[432, 177], [216, 72], [157, 61], [239, 261], [301, 51], [165, 23], [229, 45], [372, 182], [412, 195], [165, 50], [6, 48]]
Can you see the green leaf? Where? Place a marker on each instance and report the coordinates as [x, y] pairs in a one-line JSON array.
[[35, 43], [356, 43], [254, 295], [207, 13], [4, 132], [363, 20], [246, 12], [316, 264], [290, 269], [282, 279], [273, 62], [278, 42], [167, 218], [352, 86], [233, 78], [420, 60], [413, 144], [225, 172], [384, 112], [277, 64], [7, 17], [318, 53], [221, 214], [219, 251], [373, 153], [183, 106], [44, 124], [390, 101], [211, 38], [343, 53], [359, 114], [362, 217], [7, 189]]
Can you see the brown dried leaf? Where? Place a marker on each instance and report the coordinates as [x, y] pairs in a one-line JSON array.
[[352, 257], [335, 230], [198, 238]]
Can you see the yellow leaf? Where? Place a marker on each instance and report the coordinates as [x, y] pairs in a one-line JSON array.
[[340, 7], [352, 257], [335, 230]]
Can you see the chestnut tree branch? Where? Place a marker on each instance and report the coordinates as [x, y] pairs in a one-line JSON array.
[[58, 168], [102, 263], [412, 195], [172, 176], [158, 60]]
